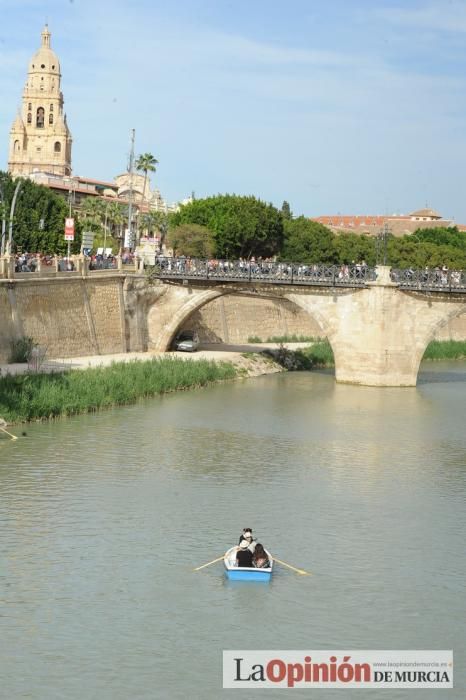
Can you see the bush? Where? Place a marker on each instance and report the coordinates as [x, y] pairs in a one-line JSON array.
[[20, 350]]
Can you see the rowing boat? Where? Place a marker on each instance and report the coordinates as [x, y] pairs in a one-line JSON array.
[[245, 573]]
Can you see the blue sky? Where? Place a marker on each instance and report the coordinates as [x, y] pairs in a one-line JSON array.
[[353, 106]]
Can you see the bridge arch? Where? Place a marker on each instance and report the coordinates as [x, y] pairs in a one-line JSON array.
[[437, 325], [164, 321]]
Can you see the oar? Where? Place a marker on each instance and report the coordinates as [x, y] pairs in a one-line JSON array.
[[13, 437], [298, 571], [198, 568]]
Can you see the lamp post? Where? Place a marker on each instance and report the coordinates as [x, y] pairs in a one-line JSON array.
[[3, 205], [19, 184], [105, 232], [381, 245]]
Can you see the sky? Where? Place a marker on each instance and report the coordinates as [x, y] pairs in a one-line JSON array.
[[337, 106]]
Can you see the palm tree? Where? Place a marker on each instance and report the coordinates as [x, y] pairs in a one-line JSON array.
[[116, 217], [92, 213], [146, 163]]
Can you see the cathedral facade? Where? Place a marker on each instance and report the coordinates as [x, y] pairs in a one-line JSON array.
[[40, 140]]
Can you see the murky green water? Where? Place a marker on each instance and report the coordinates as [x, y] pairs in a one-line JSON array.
[[103, 518]]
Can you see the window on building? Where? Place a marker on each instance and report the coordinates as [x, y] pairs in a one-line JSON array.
[[29, 118], [30, 106], [17, 146], [57, 147], [51, 108], [50, 118], [40, 118]]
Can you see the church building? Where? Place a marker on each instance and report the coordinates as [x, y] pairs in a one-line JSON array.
[[40, 140]]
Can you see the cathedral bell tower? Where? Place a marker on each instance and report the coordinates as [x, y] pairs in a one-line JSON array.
[[40, 140]]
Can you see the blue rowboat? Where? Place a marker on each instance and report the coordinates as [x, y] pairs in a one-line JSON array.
[[243, 573]]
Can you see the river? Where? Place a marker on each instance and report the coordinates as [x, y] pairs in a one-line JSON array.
[[103, 518]]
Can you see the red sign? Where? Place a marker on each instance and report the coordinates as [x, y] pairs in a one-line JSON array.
[[69, 229]]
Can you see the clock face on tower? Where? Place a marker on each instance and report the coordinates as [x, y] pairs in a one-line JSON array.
[[40, 140]]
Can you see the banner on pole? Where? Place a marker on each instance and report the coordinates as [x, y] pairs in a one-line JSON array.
[[69, 229]]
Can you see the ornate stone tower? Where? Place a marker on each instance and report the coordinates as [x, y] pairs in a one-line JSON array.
[[39, 138]]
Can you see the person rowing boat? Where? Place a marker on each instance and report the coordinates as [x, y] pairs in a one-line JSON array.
[[244, 555], [247, 535]]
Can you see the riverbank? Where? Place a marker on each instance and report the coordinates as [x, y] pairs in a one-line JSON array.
[[39, 396], [57, 391], [319, 354]]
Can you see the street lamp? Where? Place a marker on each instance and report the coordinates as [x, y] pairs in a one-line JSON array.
[[3, 205], [19, 184], [381, 245]]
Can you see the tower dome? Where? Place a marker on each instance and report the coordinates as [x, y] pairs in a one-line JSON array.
[[44, 60]]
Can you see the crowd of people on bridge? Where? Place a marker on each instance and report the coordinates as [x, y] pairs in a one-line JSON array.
[[263, 267], [440, 276]]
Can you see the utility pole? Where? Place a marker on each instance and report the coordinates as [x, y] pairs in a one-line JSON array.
[[130, 194]]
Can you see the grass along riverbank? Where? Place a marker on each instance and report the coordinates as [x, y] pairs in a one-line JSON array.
[[445, 350], [320, 354], [30, 397]]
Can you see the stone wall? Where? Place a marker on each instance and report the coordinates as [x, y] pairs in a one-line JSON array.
[[68, 317], [453, 330], [235, 319]]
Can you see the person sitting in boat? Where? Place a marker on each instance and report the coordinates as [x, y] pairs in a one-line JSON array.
[[244, 555], [260, 559], [247, 535]]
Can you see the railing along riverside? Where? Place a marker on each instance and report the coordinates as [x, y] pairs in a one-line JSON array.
[[433, 280], [33, 266], [263, 271]]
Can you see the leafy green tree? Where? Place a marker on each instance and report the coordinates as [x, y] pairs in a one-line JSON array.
[[308, 241], [242, 226], [39, 219], [286, 211], [146, 163], [191, 240], [441, 236], [353, 247]]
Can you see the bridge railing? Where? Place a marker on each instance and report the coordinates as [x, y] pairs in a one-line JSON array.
[[263, 271], [437, 279]]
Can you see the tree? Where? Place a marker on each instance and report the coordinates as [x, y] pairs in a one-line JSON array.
[[308, 241], [153, 222], [116, 218], [354, 247], [441, 236], [242, 226], [39, 219], [146, 163], [286, 211], [191, 240], [92, 214]]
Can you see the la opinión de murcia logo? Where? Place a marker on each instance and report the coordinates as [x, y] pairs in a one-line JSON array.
[[339, 669]]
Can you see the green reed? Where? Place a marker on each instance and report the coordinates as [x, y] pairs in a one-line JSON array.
[[38, 396], [445, 350]]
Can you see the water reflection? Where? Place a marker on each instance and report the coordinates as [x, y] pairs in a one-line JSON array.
[[104, 517]]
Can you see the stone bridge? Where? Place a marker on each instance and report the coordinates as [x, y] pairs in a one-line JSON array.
[[378, 328], [378, 322]]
